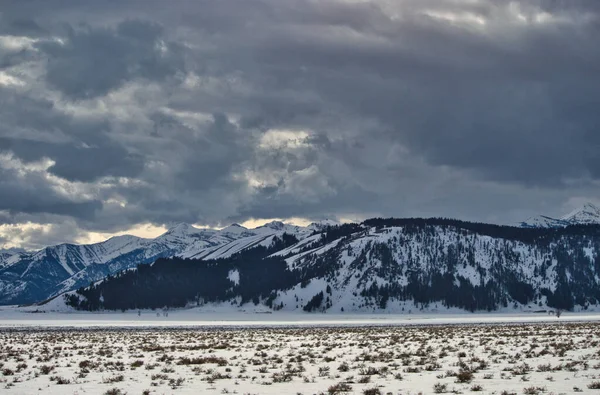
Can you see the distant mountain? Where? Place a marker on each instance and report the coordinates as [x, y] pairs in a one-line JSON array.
[[28, 277], [382, 265], [542, 221], [586, 214]]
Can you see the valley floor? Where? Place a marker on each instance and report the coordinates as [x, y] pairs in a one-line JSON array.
[[559, 357], [228, 316]]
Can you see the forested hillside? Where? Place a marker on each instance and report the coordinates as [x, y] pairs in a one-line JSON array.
[[381, 265]]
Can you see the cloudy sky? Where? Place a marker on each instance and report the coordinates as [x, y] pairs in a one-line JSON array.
[[130, 116]]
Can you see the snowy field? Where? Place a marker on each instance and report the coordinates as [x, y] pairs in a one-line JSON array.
[[115, 353], [227, 316]]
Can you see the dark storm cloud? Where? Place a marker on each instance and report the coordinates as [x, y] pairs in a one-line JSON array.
[[214, 155], [86, 160], [206, 154], [14, 58], [270, 202], [485, 110], [33, 129], [505, 105], [18, 24], [31, 193], [93, 61]]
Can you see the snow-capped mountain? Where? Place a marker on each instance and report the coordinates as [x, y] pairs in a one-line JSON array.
[[584, 215], [380, 265], [542, 221], [385, 264], [27, 277]]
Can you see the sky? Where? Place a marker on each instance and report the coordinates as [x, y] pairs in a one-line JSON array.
[[131, 116]]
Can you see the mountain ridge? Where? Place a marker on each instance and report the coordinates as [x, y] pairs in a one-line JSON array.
[[380, 265], [588, 213], [31, 276]]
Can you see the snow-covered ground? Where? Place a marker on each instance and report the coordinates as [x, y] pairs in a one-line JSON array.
[[551, 358], [226, 315]]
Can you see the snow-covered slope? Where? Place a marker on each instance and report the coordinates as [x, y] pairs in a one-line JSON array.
[[542, 221], [375, 254], [382, 265], [584, 215], [27, 277], [358, 268], [10, 255]]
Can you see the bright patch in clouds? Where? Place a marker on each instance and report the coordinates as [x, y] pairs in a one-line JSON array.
[[16, 43], [256, 222], [189, 118], [7, 79], [466, 18], [9, 161], [23, 235], [283, 138], [147, 231]]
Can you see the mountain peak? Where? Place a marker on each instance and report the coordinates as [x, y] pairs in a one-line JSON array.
[[234, 228], [184, 231], [324, 223], [586, 214], [181, 227], [275, 225]]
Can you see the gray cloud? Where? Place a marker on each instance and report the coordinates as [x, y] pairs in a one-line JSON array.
[[38, 237], [483, 102], [19, 24], [481, 110], [82, 150], [81, 161], [93, 61], [30, 192], [216, 152]]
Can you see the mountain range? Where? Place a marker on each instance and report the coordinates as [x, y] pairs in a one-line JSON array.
[[586, 214], [388, 264], [379, 265], [33, 276]]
